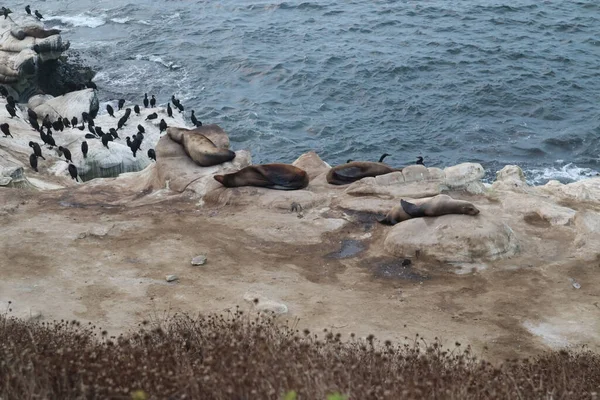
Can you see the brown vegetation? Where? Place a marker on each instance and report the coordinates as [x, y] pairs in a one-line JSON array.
[[239, 357]]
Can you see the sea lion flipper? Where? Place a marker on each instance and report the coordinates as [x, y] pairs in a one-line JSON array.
[[411, 209]]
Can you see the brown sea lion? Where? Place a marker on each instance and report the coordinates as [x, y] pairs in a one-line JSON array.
[[356, 170], [428, 207], [200, 148], [272, 176], [33, 31], [212, 131]]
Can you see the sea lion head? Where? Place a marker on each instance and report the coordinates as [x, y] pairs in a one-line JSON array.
[[222, 179], [469, 209]]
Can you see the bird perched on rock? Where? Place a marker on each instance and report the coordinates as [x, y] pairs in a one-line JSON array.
[[152, 116], [37, 150], [162, 125], [105, 139], [169, 110], [134, 146], [46, 122], [11, 110], [66, 122], [66, 152], [420, 161], [50, 140], [74, 122], [5, 130], [110, 110], [152, 154], [195, 120], [141, 128], [84, 148], [6, 11], [27, 9], [114, 133], [33, 162], [152, 102], [3, 91], [85, 116], [34, 124], [98, 131], [73, 171], [136, 108], [145, 100], [121, 104], [58, 125], [121, 122], [10, 100], [37, 14]]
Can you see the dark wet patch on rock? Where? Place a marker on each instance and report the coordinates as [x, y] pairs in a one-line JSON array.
[[396, 269], [349, 248]]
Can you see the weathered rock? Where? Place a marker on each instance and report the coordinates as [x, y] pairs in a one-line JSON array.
[[312, 164], [453, 238], [264, 304], [510, 178], [24, 46], [417, 189], [69, 105], [415, 173], [587, 238], [587, 190], [460, 175], [199, 260], [12, 176], [171, 278]]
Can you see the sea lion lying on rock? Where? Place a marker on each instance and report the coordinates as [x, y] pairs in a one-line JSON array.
[[33, 31], [428, 207], [200, 148], [272, 176], [356, 170], [213, 132]]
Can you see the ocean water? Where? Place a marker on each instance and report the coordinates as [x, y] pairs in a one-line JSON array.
[[494, 82]]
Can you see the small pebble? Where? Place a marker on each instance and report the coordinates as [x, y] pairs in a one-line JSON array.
[[171, 278], [199, 260]]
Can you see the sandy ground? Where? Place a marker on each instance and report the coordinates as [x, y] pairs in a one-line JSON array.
[[75, 255]]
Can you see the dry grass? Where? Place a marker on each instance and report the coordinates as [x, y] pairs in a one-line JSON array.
[[237, 357]]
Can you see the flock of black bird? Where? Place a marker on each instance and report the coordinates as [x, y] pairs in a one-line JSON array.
[[6, 11], [95, 132]]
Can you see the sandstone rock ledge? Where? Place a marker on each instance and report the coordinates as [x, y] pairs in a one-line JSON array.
[[24, 46], [524, 248]]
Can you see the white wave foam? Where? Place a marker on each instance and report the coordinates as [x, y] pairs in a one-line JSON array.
[[144, 22], [565, 174], [123, 20], [78, 20], [158, 60]]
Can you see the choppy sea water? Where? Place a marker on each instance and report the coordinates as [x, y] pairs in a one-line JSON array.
[[453, 81]]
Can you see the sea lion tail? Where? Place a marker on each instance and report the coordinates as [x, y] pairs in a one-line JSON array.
[[411, 209], [219, 178]]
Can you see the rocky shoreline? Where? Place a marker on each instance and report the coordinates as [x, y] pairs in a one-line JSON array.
[[528, 246]]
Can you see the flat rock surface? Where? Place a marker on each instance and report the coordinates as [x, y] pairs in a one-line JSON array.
[[101, 253], [453, 238]]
